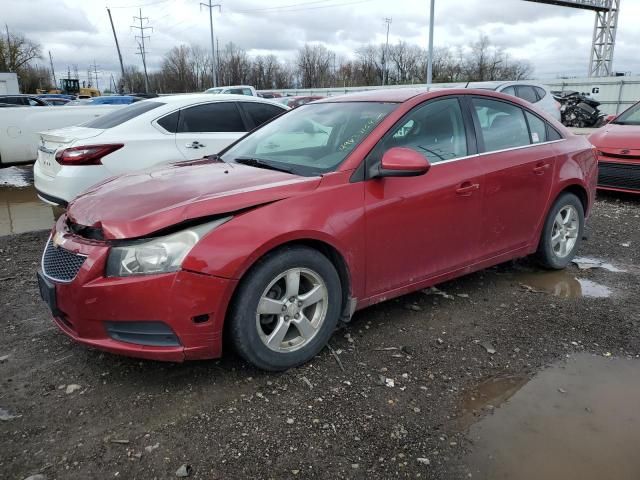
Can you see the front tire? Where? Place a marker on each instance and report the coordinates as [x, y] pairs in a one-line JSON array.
[[286, 308], [562, 232]]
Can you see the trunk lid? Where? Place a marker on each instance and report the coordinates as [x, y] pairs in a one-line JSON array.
[[54, 140]]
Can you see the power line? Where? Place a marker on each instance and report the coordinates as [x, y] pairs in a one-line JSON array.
[[143, 52]]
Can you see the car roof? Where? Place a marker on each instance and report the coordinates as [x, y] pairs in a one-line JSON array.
[[207, 97], [393, 95]]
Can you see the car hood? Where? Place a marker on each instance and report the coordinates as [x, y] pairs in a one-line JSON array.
[[617, 136], [139, 204]]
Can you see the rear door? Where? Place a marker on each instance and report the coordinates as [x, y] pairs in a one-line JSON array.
[[257, 113], [207, 128], [520, 161]]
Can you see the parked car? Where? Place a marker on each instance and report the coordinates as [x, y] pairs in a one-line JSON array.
[[296, 101], [162, 130], [114, 100], [274, 245], [618, 145], [535, 93], [265, 94], [19, 100], [79, 101], [234, 90], [20, 127], [47, 96], [57, 102]]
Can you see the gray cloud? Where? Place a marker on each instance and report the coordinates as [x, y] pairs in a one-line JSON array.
[[555, 40]]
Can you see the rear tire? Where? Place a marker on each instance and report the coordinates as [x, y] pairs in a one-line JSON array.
[[562, 232], [286, 308]]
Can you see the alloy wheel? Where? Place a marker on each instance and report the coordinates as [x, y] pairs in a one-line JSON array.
[[292, 309], [564, 234]]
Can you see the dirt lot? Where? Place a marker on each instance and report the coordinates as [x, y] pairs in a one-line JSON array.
[[395, 405]]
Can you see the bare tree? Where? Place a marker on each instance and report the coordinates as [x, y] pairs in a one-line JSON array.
[[314, 64]]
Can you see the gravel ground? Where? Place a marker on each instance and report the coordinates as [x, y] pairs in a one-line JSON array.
[[389, 394]]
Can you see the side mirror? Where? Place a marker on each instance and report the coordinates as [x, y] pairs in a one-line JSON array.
[[402, 162], [610, 118]]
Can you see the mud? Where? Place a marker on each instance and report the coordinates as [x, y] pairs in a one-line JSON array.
[[578, 419], [69, 413], [563, 284]]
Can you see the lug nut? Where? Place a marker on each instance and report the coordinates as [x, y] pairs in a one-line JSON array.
[[286, 317], [299, 304], [297, 316]]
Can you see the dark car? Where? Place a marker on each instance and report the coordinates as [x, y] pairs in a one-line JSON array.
[[295, 102], [21, 100]]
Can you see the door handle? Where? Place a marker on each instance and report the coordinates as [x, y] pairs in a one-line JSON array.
[[467, 188], [195, 145], [540, 168]]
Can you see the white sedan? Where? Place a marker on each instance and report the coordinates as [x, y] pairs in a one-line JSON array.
[[151, 132]]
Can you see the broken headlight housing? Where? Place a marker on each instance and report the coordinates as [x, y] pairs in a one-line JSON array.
[[157, 255]]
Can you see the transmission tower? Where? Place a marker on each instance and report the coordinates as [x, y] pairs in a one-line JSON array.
[[141, 46], [604, 31]]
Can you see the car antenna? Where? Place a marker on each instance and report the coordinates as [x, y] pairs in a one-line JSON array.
[[467, 85]]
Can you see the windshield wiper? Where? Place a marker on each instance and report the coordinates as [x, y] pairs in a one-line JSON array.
[[259, 163]]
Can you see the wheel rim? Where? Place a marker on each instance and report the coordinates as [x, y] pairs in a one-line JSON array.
[[292, 310], [564, 235]]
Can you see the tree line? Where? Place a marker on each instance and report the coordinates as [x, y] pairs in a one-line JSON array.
[[187, 68]]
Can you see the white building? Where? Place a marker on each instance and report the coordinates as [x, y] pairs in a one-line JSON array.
[[9, 84]]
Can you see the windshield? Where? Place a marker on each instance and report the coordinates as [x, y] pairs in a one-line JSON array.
[[629, 117], [312, 139], [213, 90]]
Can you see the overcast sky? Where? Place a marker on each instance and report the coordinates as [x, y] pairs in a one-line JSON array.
[[555, 40]]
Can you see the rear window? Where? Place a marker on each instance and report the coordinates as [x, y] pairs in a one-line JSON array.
[[541, 92], [113, 119], [527, 93]]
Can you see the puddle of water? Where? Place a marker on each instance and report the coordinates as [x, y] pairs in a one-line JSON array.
[[20, 209], [574, 420], [563, 284], [587, 263]]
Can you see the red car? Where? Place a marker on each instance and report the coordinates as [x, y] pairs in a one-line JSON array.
[[330, 208], [618, 145]]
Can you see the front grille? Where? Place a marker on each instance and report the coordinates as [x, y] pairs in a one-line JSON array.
[[619, 175], [60, 264], [620, 155]]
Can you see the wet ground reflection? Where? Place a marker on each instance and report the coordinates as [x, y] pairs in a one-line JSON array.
[[20, 209], [575, 420]]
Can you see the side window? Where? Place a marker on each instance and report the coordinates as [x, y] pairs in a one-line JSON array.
[[510, 91], [170, 122], [235, 91], [211, 117], [541, 92], [260, 112], [435, 129], [526, 92], [33, 102], [502, 124], [246, 91], [552, 134], [537, 127]]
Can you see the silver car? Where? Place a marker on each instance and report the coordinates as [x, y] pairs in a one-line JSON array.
[[530, 91]]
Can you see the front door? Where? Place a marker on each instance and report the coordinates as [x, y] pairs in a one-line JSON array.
[[421, 227], [208, 128]]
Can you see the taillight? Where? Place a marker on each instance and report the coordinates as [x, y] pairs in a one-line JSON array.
[[89, 155]]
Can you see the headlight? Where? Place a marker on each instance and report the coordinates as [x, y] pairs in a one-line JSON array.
[[158, 255]]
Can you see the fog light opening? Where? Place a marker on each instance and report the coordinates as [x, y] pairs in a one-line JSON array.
[[204, 318]]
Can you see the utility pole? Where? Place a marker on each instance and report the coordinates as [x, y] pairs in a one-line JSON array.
[[117, 48], [430, 59], [95, 73], [6, 27], [53, 72], [385, 54], [141, 46], [213, 51]]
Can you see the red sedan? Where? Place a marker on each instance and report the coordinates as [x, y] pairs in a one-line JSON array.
[[618, 145], [330, 208]]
